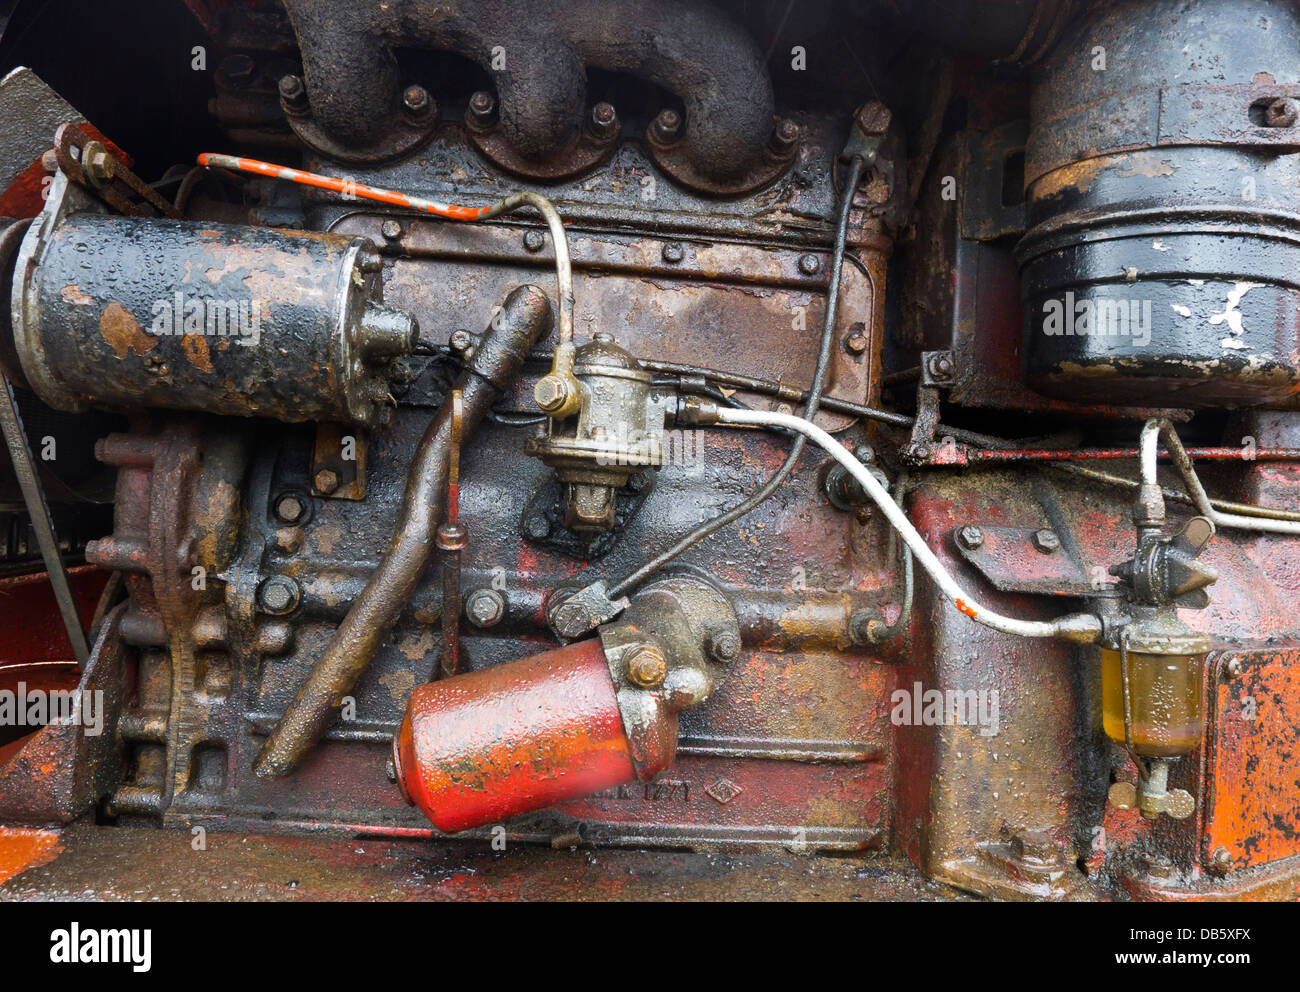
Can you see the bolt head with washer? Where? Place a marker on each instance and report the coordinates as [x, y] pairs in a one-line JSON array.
[[647, 667]]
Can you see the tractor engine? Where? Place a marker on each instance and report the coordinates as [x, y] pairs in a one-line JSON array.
[[676, 425]]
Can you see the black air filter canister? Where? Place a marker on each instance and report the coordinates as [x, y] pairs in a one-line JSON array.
[[1162, 263]]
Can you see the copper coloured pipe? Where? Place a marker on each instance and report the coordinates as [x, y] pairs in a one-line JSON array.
[[524, 319]]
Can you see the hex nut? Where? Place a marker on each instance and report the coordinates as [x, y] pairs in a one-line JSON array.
[[724, 646], [940, 367], [970, 537], [326, 481], [604, 121], [1122, 795], [857, 341], [416, 101], [647, 667], [482, 110], [667, 126]]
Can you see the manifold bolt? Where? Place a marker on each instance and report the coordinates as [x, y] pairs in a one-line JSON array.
[[970, 537]]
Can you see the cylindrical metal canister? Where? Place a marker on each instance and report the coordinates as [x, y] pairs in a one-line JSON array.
[[1162, 262], [483, 747], [125, 312]]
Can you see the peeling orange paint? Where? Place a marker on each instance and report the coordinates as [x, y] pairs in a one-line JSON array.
[[22, 848]]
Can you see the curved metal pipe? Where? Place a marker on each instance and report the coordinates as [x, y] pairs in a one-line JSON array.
[[524, 319], [1155, 429], [537, 57]]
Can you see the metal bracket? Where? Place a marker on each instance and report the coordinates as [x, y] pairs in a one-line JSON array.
[[20, 453]]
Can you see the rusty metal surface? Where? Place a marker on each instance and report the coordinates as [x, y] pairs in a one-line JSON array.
[[693, 50], [61, 771], [248, 321], [525, 317], [106, 864], [1251, 809], [1134, 183], [700, 228]]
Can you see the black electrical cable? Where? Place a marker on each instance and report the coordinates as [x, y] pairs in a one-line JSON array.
[[810, 410]]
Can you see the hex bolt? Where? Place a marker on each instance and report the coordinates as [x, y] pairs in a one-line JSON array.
[[534, 241], [667, 127], [482, 111], [1282, 112], [279, 594], [857, 341], [673, 252], [391, 229], [485, 608], [100, 166], [416, 101], [873, 118], [461, 341], [570, 620], [647, 667], [809, 264], [289, 508], [604, 122], [1046, 541], [293, 94], [724, 646], [970, 537], [326, 481], [940, 367], [551, 393], [784, 137]]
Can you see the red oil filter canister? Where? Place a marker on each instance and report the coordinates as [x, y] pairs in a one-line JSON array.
[[483, 747]]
